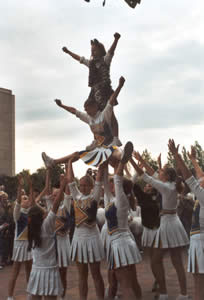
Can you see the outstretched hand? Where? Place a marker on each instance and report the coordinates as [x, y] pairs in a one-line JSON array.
[[64, 49], [172, 147], [58, 102], [192, 154], [137, 155], [121, 81], [117, 35], [20, 180]]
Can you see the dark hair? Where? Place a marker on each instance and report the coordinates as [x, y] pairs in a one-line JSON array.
[[127, 187], [173, 177], [89, 179], [90, 101], [35, 220], [100, 46]]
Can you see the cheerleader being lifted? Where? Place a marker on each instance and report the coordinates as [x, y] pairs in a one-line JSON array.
[[99, 77], [103, 147]]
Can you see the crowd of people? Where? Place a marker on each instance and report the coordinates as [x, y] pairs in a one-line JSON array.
[[103, 216]]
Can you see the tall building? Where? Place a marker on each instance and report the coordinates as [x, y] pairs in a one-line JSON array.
[[7, 132]]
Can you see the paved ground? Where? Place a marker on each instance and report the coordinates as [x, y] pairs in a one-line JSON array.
[[144, 275]]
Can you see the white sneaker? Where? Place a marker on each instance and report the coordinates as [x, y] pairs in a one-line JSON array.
[[29, 297], [10, 298], [182, 297], [163, 297], [48, 161], [127, 152]]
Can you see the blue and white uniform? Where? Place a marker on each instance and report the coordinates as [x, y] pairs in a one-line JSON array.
[[20, 247]]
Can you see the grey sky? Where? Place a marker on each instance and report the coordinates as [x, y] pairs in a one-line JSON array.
[[160, 54]]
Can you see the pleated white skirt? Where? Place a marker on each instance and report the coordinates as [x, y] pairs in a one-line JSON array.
[[45, 281], [196, 255], [20, 251], [148, 237], [123, 250], [63, 250], [97, 156], [87, 247], [171, 233]]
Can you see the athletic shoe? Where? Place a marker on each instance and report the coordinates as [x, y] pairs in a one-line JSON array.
[[48, 161], [127, 152], [182, 297], [163, 297]]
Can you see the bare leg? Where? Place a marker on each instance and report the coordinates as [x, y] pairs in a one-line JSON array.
[[36, 297], [63, 160], [28, 267], [83, 280], [198, 286], [113, 284], [14, 274], [158, 269], [124, 276], [135, 284], [98, 280], [63, 275], [176, 258]]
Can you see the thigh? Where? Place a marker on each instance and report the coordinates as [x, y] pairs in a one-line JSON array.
[[82, 269]]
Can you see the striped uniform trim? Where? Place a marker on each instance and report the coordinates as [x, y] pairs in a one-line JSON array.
[[96, 156]]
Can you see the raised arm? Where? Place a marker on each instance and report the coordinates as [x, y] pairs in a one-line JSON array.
[[150, 171], [114, 44], [30, 184], [117, 91], [186, 173], [73, 55], [20, 187], [136, 167], [70, 109], [46, 188], [192, 156], [16, 211], [60, 194]]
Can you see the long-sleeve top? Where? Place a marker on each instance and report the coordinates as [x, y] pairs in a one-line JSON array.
[[20, 216], [100, 124], [166, 189], [199, 193], [85, 206]]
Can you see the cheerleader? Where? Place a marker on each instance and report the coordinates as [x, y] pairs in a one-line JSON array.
[[171, 235], [45, 277], [62, 226], [20, 250], [99, 77], [103, 146], [196, 250], [86, 248], [121, 251]]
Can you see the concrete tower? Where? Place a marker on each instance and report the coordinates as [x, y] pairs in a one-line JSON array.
[[7, 132]]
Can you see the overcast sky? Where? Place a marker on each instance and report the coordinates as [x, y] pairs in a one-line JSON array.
[[160, 54]]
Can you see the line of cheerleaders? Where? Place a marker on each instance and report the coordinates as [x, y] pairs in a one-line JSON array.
[[41, 233]]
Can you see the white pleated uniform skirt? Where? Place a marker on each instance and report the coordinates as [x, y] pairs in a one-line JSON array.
[[87, 245], [20, 251], [122, 250], [196, 255], [96, 156], [63, 250], [45, 281], [171, 233], [148, 237]]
